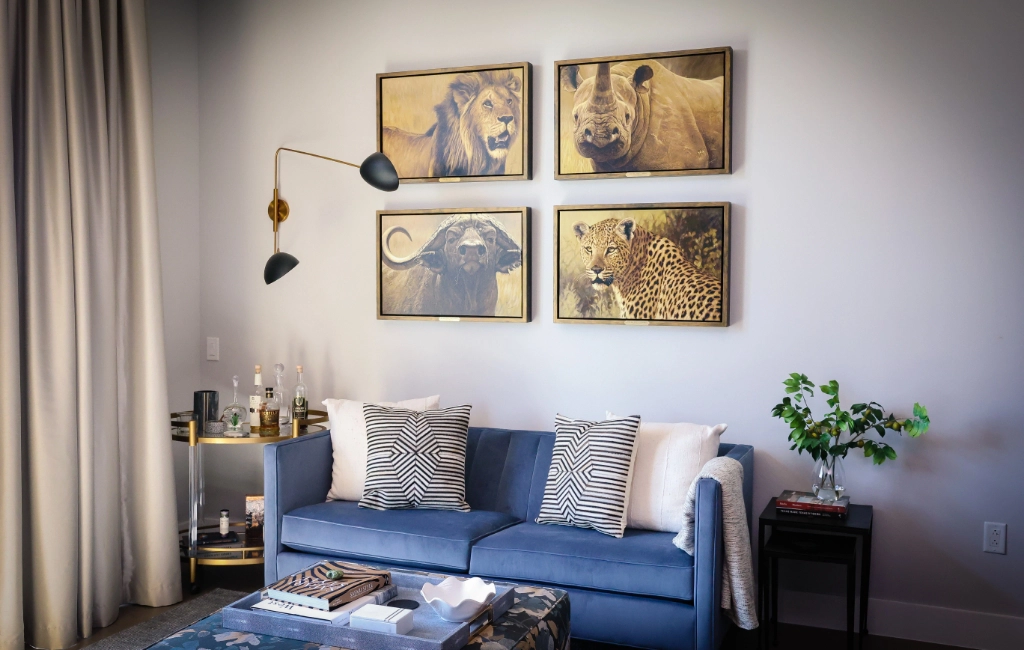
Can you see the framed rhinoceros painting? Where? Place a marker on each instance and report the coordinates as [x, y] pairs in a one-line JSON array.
[[662, 114], [456, 264], [456, 124], [649, 264]]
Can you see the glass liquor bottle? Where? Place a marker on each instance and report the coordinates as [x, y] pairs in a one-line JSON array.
[[234, 415], [269, 414], [256, 401], [281, 394], [300, 405]]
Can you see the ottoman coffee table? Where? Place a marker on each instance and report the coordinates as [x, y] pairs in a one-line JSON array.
[[537, 620]]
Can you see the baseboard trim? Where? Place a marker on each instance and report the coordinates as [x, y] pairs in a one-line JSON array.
[[893, 618]]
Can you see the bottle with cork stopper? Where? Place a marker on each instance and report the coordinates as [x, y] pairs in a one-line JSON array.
[[300, 405], [256, 401]]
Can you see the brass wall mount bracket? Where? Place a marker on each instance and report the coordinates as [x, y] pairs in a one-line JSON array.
[[282, 210]]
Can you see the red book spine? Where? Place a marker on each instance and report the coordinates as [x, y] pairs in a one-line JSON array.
[[794, 505]]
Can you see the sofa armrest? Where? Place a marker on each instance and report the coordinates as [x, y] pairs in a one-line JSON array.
[[708, 554], [745, 455], [296, 473]]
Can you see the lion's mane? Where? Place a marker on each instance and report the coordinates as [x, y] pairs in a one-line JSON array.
[[459, 127]]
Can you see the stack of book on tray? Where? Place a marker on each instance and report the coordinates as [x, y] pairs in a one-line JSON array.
[[806, 504], [329, 591]]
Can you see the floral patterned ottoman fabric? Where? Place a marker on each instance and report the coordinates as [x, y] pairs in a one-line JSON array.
[[537, 620]]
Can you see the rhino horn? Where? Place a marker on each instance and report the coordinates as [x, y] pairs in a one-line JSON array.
[[603, 93]]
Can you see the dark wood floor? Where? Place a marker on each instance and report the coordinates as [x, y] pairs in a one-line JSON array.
[[250, 578]]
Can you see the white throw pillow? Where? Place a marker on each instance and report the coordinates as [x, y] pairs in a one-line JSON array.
[[348, 442], [668, 458]]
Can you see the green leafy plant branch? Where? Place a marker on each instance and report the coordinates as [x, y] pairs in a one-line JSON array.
[[840, 430]]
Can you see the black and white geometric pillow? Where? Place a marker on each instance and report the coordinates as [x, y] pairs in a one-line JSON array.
[[591, 469], [415, 459]]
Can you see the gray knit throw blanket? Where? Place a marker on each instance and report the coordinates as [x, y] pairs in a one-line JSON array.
[[739, 597]]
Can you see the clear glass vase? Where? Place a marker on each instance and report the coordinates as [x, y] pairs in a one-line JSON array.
[[829, 478]]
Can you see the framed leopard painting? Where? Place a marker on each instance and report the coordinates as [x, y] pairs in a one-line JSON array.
[[642, 264]]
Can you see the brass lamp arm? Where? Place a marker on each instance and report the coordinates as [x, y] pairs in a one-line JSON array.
[[280, 207], [376, 170]]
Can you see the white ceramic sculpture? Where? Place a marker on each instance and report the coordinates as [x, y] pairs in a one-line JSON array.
[[457, 600]]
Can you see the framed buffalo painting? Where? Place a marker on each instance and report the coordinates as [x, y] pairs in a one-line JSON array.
[[456, 124], [650, 264], [663, 114], [450, 265]]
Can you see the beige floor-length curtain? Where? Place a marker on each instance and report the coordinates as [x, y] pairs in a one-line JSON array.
[[87, 512]]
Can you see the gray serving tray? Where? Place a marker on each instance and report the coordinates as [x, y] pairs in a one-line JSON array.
[[430, 631]]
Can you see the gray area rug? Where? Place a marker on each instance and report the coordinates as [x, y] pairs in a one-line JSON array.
[[161, 626]]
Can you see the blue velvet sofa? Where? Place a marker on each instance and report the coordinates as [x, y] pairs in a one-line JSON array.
[[636, 591]]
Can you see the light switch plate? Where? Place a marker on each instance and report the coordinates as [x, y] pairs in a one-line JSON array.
[[995, 538], [212, 348]]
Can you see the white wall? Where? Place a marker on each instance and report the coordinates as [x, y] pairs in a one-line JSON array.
[[876, 227], [174, 59]]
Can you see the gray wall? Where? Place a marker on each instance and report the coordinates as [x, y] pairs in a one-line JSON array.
[[876, 233]]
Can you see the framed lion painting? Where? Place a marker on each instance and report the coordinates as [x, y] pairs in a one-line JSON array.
[[661, 114], [456, 124], [646, 264], [454, 264]]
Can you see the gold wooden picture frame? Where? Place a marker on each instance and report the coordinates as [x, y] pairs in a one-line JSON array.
[[656, 114], [452, 125], [642, 264], [456, 264]]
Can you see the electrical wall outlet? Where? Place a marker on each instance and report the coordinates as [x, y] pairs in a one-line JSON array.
[[212, 348], [995, 538]]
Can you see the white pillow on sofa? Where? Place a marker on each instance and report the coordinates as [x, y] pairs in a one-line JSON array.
[[668, 458], [348, 442]]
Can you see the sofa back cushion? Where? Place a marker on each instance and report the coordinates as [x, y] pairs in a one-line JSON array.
[[506, 470]]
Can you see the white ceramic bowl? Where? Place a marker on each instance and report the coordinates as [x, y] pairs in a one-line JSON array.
[[457, 600]]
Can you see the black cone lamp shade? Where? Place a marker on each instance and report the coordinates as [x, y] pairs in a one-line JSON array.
[[378, 171], [277, 266]]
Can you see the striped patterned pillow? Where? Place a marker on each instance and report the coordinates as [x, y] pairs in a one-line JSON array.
[[591, 467], [415, 459]]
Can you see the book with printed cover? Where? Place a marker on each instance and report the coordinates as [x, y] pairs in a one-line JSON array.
[[821, 514], [313, 588], [793, 500], [337, 616]]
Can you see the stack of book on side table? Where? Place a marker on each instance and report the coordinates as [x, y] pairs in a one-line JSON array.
[[805, 504], [329, 591]]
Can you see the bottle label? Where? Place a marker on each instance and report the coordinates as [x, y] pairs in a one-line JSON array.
[[300, 408], [255, 402]]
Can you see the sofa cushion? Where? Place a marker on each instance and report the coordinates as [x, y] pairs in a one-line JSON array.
[[499, 469], [436, 539], [642, 562]]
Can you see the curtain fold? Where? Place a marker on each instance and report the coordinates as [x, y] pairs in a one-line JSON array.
[[86, 487]]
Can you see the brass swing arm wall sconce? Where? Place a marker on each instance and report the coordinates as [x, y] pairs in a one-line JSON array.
[[376, 170]]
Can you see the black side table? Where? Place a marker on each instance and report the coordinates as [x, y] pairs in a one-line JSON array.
[[813, 539]]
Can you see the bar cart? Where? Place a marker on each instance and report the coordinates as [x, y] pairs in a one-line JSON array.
[[185, 428]]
